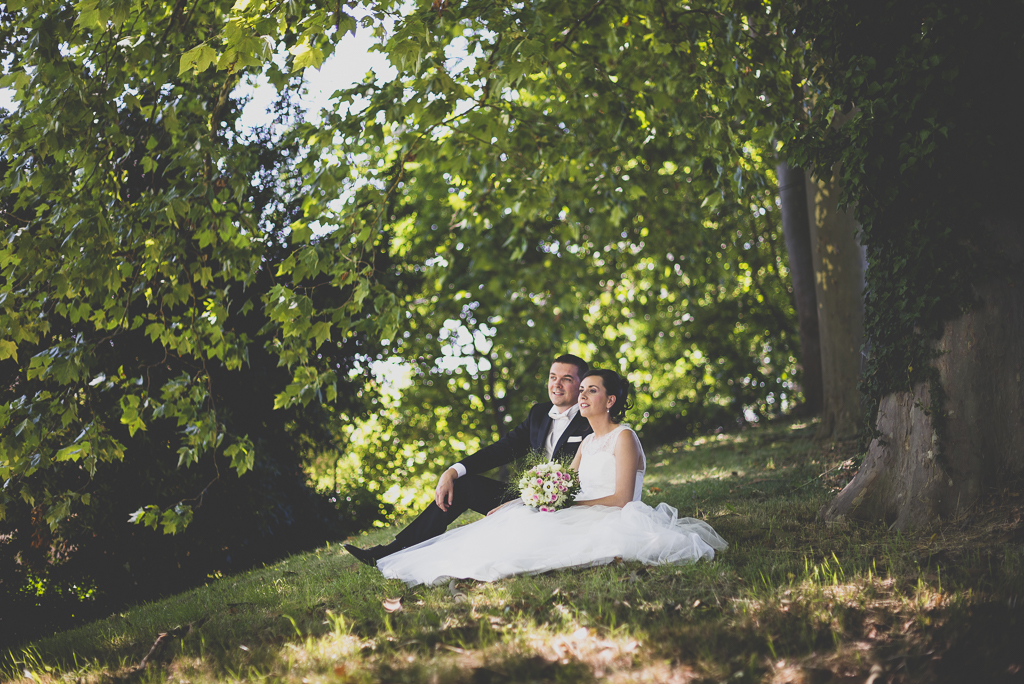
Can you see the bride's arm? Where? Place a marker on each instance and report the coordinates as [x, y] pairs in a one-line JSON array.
[[627, 456], [576, 460]]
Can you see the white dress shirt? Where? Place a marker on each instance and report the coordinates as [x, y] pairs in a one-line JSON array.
[[559, 422]]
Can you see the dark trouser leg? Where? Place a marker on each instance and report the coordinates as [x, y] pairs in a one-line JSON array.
[[472, 492]]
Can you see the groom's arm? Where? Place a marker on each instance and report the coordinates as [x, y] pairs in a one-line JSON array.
[[510, 447], [507, 449]]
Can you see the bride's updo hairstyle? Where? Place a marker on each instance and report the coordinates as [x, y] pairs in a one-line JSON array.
[[616, 386]]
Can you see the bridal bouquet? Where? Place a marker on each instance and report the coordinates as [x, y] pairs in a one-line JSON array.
[[549, 486]]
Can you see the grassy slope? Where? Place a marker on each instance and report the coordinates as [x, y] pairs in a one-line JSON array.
[[789, 601]]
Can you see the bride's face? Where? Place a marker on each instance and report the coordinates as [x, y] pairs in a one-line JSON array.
[[594, 398]]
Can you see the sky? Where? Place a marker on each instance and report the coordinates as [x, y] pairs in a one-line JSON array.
[[348, 65]]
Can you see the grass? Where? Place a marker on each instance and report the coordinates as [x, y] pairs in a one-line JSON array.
[[789, 601]]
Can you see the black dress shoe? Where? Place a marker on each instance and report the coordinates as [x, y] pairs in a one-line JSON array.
[[366, 556]]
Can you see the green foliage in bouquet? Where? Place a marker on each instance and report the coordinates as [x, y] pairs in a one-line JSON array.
[[518, 468]]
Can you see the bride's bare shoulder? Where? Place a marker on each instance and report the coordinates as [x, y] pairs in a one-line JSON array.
[[627, 437]]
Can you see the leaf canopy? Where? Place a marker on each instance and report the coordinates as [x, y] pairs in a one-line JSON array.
[[536, 177]]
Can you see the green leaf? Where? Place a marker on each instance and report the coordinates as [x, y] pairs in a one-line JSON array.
[[712, 200], [198, 59], [362, 289], [176, 519], [635, 192], [149, 516], [74, 452], [181, 207], [306, 56], [346, 24], [618, 213], [321, 332], [301, 232], [242, 456], [89, 15], [8, 350]]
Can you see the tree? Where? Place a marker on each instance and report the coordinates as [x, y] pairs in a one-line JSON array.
[[157, 334], [598, 188], [593, 176], [546, 78], [839, 293], [153, 231], [944, 251], [796, 226]]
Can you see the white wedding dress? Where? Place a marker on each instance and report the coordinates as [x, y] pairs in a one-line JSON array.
[[521, 540]]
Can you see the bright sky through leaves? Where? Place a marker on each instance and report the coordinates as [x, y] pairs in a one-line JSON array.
[[347, 66]]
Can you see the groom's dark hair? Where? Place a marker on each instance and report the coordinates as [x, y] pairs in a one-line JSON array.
[[581, 365]]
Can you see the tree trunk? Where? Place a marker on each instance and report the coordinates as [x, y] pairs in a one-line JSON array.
[[839, 289], [796, 229], [929, 463]]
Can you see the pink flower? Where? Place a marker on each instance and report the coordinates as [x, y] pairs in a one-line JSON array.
[[540, 480]]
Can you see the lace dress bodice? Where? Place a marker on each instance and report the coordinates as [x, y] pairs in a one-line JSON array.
[[597, 466]]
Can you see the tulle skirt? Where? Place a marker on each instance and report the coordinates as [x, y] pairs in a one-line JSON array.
[[520, 540]]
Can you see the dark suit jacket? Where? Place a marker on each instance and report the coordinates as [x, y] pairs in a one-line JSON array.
[[530, 434]]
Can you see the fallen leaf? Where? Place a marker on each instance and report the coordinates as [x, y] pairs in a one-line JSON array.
[[340, 670], [392, 605]]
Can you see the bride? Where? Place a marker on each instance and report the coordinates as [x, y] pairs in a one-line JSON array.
[[607, 520]]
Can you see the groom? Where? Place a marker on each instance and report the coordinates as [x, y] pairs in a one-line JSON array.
[[554, 427]]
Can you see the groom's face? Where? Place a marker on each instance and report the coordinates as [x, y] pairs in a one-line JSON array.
[[563, 385]]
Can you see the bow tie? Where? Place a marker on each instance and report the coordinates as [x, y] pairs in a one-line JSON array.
[[555, 414]]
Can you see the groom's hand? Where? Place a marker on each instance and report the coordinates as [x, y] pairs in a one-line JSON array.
[[445, 491]]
